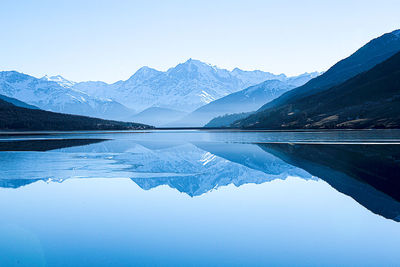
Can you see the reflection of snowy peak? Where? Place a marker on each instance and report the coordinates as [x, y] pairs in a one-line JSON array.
[[194, 171], [191, 169], [48, 94], [185, 87]]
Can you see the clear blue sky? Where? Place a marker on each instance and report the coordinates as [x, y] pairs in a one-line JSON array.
[[110, 40]]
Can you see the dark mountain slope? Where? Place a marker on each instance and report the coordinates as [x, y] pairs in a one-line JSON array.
[[18, 118], [365, 58], [226, 120], [369, 100]]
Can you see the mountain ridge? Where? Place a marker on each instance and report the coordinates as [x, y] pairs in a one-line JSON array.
[[274, 113], [368, 100], [246, 100], [49, 95], [372, 53], [185, 87]]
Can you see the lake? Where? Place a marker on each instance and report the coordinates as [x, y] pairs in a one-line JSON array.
[[200, 198]]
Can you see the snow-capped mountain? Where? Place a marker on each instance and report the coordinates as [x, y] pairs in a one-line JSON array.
[[49, 95], [184, 87], [60, 80]]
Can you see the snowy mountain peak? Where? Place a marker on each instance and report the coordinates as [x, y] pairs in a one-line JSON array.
[[48, 93], [59, 79], [195, 62], [145, 71], [143, 74], [185, 87], [191, 65]]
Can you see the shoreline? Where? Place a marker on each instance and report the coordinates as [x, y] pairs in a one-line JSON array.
[[189, 129]]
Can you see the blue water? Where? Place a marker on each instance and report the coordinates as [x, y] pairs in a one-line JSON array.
[[195, 198]]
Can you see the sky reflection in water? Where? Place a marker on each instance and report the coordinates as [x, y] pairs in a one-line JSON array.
[[198, 198]]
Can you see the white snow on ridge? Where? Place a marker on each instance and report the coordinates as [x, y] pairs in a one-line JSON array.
[[46, 93], [206, 97], [184, 87], [60, 80]]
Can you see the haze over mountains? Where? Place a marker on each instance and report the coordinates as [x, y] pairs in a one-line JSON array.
[[185, 87], [148, 96], [246, 100], [157, 116]]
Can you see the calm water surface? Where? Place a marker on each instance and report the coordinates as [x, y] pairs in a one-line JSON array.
[[200, 198]]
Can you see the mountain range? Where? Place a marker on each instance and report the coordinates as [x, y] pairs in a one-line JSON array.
[[179, 90], [359, 91], [184, 87], [48, 94], [354, 93]]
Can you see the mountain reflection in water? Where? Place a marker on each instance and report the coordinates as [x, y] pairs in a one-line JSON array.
[[367, 173]]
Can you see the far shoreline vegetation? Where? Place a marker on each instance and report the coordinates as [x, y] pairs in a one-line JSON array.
[[24, 119]]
